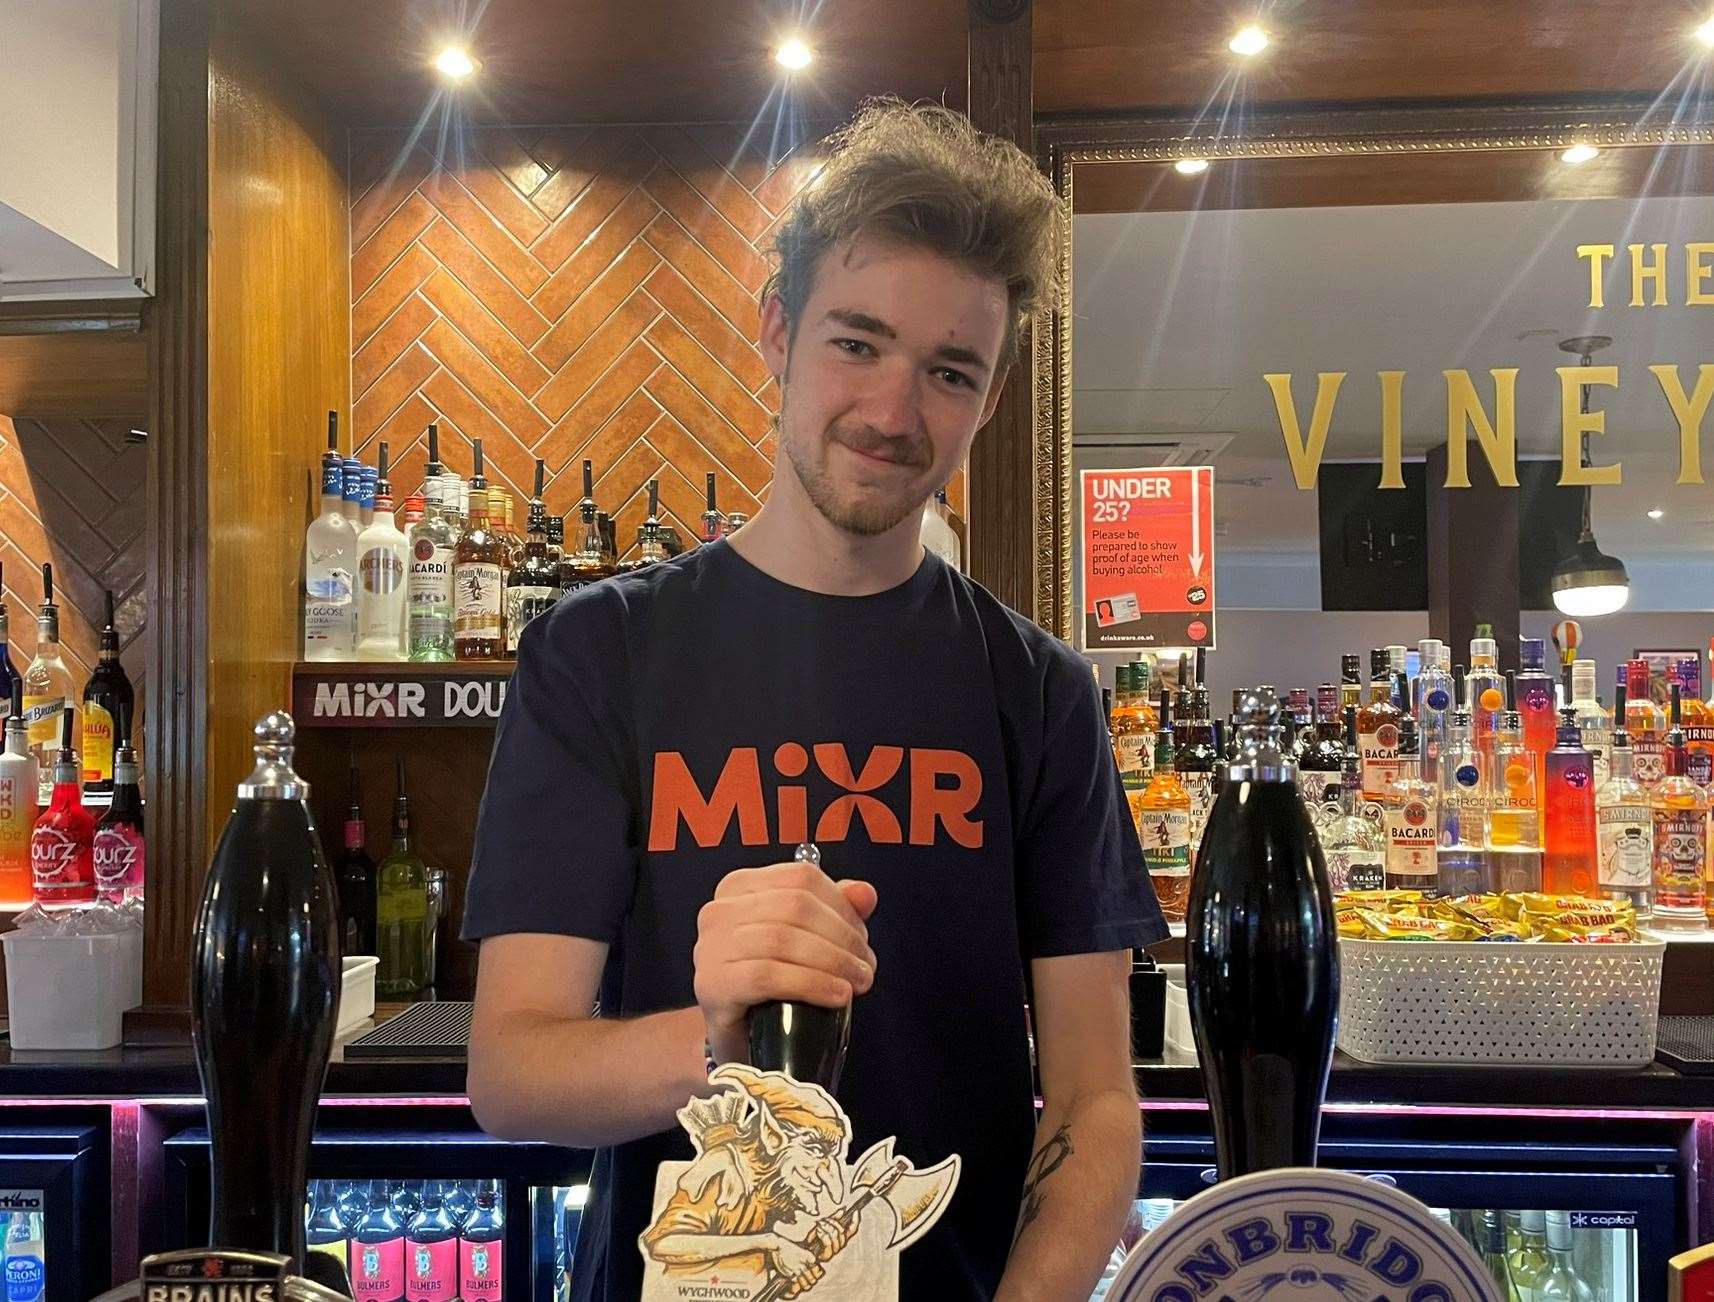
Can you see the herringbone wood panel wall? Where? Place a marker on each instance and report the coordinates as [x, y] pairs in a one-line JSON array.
[[570, 292], [72, 492]]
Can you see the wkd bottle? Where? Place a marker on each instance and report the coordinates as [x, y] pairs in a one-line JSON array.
[[805, 1041], [1263, 958]]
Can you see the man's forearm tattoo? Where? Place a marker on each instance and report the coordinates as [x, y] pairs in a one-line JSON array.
[[1048, 1159]]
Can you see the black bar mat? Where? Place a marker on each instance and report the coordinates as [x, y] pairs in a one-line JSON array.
[[1686, 1044], [439, 1030]]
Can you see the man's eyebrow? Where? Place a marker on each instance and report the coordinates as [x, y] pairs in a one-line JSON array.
[[855, 320]]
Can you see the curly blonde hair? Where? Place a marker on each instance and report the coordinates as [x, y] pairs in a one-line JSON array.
[[923, 175]]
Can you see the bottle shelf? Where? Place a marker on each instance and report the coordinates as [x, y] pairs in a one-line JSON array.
[[394, 694]]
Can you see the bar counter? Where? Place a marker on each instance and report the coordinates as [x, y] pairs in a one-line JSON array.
[[156, 1062]]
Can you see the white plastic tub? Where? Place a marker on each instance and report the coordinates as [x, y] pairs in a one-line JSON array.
[[69, 992], [356, 993]]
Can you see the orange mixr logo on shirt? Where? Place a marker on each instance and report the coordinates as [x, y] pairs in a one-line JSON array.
[[943, 786]]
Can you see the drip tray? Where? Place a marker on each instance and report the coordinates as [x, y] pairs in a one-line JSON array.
[[439, 1030], [1686, 1044]]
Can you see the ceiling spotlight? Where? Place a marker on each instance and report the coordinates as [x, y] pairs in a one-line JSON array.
[[1655, 513], [1579, 153], [1705, 33], [1587, 581], [454, 62], [794, 55], [1249, 40], [1190, 166]]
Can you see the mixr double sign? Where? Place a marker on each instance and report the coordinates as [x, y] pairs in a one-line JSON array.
[[391, 700]]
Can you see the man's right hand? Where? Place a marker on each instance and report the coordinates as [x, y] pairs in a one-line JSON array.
[[787, 932]]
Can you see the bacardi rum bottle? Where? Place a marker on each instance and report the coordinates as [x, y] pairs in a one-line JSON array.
[[330, 564], [1378, 732], [434, 546], [1624, 827], [478, 575], [1411, 820], [47, 690]]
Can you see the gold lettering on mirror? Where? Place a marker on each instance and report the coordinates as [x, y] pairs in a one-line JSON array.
[[1498, 437], [1689, 413], [1392, 428], [1597, 255], [1697, 269], [1573, 423], [1654, 272], [1306, 455]]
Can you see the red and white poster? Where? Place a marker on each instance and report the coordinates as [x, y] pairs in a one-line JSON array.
[[1148, 558]]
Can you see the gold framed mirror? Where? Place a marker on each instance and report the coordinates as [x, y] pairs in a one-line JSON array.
[[1390, 168]]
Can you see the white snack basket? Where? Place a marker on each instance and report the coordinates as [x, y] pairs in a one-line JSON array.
[[1499, 1002]]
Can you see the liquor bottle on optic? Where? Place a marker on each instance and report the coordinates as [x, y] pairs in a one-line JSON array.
[[401, 907], [1568, 814], [119, 846], [589, 562], [62, 843], [1300, 712], [1532, 697], [478, 579], [1624, 827], [355, 874], [8, 671], [1355, 843], [1126, 725], [1321, 758], [434, 547], [533, 586], [18, 808], [383, 555], [713, 522], [1646, 722], [1593, 722], [1514, 810], [1196, 758], [330, 564], [1163, 826], [1434, 700], [1680, 812], [1378, 732], [1262, 960], [1141, 680], [1697, 720], [107, 696], [47, 688], [1461, 858], [650, 549], [1412, 829]]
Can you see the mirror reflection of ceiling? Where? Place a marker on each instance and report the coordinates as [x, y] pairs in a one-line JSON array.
[[1178, 315]]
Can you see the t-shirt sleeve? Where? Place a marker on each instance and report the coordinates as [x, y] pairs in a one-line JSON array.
[[556, 835], [1082, 884]]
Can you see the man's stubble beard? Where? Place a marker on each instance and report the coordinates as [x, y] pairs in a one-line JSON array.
[[866, 519]]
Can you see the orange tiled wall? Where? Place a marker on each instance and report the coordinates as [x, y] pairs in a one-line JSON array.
[[570, 292], [72, 492]]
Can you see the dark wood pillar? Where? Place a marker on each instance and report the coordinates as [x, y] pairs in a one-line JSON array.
[[1002, 460], [1472, 559], [175, 735]]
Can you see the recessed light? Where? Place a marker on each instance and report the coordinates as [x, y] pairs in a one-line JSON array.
[[1655, 513], [1705, 33], [1579, 153], [454, 62], [1249, 40], [1191, 166], [794, 55]]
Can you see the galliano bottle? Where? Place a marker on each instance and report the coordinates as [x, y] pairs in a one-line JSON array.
[[1263, 959], [47, 689], [330, 563]]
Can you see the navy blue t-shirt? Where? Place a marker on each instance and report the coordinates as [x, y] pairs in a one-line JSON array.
[[667, 727]]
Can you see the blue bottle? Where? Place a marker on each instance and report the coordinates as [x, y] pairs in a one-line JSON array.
[[26, 1276]]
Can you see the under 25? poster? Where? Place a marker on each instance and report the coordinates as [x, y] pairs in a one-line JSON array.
[[1148, 558]]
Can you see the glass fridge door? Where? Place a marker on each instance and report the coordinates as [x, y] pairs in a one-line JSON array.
[[54, 1199], [557, 1215]]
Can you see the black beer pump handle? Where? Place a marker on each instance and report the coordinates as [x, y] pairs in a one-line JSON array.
[[806, 1041]]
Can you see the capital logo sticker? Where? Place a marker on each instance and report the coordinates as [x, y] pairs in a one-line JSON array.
[[1300, 1235], [770, 1208]]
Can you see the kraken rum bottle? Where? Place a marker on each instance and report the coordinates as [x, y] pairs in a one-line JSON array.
[[1263, 958]]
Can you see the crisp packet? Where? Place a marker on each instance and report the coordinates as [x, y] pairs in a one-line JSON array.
[[1397, 926]]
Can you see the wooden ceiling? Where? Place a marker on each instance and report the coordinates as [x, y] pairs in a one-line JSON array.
[[1114, 55], [708, 60]]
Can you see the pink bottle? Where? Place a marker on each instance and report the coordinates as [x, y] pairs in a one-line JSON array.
[[62, 844]]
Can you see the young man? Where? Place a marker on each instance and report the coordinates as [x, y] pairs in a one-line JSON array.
[[670, 736]]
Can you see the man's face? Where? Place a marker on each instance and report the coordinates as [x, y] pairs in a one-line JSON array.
[[885, 380]]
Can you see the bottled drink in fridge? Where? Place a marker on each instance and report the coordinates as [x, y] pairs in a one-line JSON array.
[[431, 1248], [1568, 814], [407, 1196], [17, 807], [26, 1259], [62, 844], [1560, 1281], [1493, 1249], [1263, 959], [481, 1257], [1526, 1262], [378, 1251], [325, 1230], [805, 1041]]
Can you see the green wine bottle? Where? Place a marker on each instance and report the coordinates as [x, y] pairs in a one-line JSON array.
[[401, 908]]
